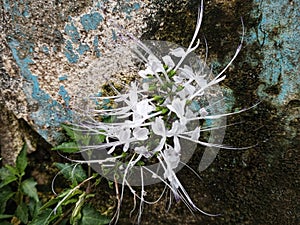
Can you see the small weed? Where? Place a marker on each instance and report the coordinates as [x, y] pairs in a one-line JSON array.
[[20, 203]]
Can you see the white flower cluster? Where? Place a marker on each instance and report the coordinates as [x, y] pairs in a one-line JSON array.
[[148, 122]]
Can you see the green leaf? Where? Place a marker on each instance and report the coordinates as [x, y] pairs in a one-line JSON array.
[[6, 176], [5, 222], [56, 200], [5, 216], [43, 218], [91, 216], [12, 170], [28, 187], [70, 201], [21, 162], [50, 203], [76, 214], [5, 194], [100, 138], [34, 207], [22, 212], [67, 147], [69, 130], [84, 139], [74, 173]]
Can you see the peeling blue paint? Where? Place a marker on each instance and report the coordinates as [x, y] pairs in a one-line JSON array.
[[50, 113], [6, 5], [114, 35], [62, 78], [91, 21], [278, 35], [96, 49], [72, 32], [136, 6], [128, 7], [69, 52], [16, 9], [26, 12], [195, 106], [45, 49], [64, 94], [82, 49]]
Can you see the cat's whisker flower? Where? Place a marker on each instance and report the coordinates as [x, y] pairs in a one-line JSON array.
[[150, 119]]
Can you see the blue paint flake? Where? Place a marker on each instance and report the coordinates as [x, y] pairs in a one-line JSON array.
[[114, 35], [96, 49], [16, 10], [195, 106], [64, 94], [62, 78], [72, 32], [136, 6], [45, 49], [82, 49], [50, 113], [282, 69], [6, 5], [69, 53], [26, 11], [91, 21]]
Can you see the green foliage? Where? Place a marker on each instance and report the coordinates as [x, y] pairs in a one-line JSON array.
[[91, 216], [75, 174], [15, 190], [28, 187], [67, 147], [68, 207], [77, 138]]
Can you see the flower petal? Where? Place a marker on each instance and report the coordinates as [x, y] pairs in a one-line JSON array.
[[158, 126], [178, 52], [141, 134], [168, 61], [177, 107]]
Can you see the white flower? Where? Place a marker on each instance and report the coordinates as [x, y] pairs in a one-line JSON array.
[[142, 150], [187, 91], [143, 108], [171, 157], [169, 62], [177, 128], [187, 72], [177, 107], [158, 126], [201, 81], [143, 124], [195, 134], [155, 64], [178, 52], [144, 73], [141, 134], [122, 136]]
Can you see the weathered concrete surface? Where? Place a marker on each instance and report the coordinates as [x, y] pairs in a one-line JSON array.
[[46, 52], [48, 49]]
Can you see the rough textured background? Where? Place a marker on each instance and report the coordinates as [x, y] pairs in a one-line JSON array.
[[46, 50]]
